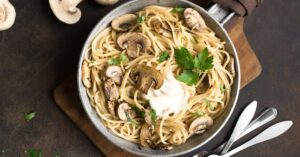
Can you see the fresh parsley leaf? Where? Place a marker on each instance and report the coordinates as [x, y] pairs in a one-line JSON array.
[[202, 61], [29, 116], [198, 114], [184, 59], [222, 88], [164, 56], [138, 110], [189, 77], [153, 116], [178, 10], [130, 120], [140, 19], [33, 153], [119, 60]]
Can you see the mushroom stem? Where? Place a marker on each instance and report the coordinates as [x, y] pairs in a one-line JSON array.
[[7, 15], [70, 5]]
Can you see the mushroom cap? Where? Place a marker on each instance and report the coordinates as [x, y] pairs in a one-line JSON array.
[[145, 135], [114, 72], [7, 15], [122, 109], [124, 23], [201, 124], [65, 11], [193, 19], [111, 90], [147, 77], [107, 2], [134, 43]]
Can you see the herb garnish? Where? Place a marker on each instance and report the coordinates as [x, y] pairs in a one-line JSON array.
[[164, 56], [153, 116], [210, 106], [119, 60], [178, 10], [191, 65], [29, 116], [33, 153], [138, 110], [130, 120], [198, 113], [140, 19], [222, 88]]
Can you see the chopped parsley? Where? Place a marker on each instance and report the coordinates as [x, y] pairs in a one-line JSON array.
[[153, 116], [198, 113], [191, 65], [222, 88], [130, 120], [33, 153], [29, 116], [119, 60], [138, 110], [209, 104], [178, 10], [140, 19], [164, 56]]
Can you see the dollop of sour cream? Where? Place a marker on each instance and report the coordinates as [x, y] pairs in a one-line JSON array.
[[172, 97]]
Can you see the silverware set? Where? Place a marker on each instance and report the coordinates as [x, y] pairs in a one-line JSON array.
[[244, 126]]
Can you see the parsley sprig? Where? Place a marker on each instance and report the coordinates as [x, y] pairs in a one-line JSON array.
[[192, 66]]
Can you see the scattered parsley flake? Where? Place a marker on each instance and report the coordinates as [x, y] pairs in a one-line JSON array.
[[164, 56], [138, 110], [178, 10], [210, 106], [198, 114], [153, 116], [130, 120], [222, 88], [29, 116], [119, 60], [189, 77], [33, 153], [140, 19]]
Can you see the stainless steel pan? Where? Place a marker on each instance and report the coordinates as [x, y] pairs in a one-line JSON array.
[[214, 18]]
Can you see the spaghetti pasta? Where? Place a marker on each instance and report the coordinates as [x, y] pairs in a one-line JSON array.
[[166, 31]]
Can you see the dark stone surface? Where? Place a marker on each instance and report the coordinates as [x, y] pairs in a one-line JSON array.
[[39, 52]]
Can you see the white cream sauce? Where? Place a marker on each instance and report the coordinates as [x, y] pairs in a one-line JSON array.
[[172, 97]]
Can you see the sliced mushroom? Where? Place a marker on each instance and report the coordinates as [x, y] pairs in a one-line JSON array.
[[200, 125], [134, 43], [111, 106], [114, 72], [124, 22], [111, 90], [203, 86], [162, 28], [86, 74], [146, 77], [7, 15], [193, 19], [230, 67], [145, 135], [107, 2], [66, 10], [124, 109]]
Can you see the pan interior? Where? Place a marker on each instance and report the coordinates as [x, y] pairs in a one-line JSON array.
[[197, 140]]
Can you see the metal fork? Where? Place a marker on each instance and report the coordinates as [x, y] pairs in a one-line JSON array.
[[265, 117]]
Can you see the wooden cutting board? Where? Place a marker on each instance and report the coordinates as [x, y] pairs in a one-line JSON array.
[[67, 98]]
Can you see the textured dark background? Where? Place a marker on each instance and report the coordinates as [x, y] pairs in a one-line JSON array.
[[39, 52]]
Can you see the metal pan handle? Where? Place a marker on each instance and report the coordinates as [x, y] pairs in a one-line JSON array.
[[221, 14]]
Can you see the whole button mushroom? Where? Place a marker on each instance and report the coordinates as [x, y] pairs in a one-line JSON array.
[[134, 43], [107, 2], [66, 10], [193, 19], [7, 15], [115, 73], [200, 125]]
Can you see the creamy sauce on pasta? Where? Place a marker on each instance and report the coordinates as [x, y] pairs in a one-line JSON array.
[[172, 97]]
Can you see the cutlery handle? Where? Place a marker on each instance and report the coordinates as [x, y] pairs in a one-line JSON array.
[[270, 133], [241, 124]]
